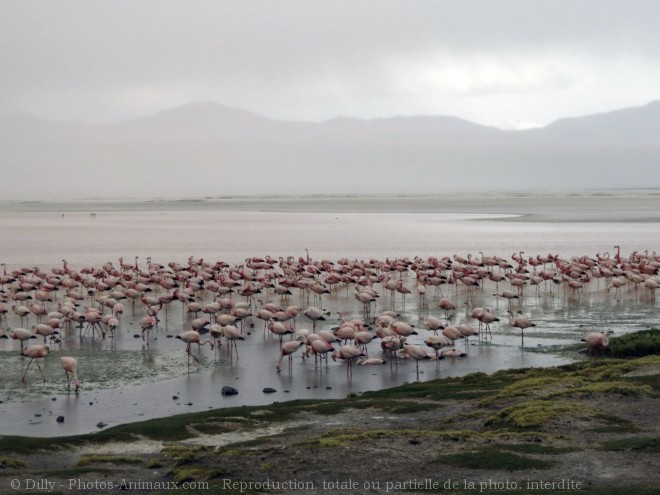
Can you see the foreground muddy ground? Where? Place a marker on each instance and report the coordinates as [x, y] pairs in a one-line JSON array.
[[591, 427]]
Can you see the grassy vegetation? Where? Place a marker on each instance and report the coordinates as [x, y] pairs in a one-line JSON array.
[[181, 454], [341, 436], [535, 448], [8, 462], [88, 459], [643, 343], [195, 474], [493, 457], [637, 444], [537, 413], [613, 424]]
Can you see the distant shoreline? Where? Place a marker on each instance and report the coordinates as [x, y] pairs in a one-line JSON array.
[[563, 207]]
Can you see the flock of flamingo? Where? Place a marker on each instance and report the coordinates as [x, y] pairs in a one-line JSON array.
[[221, 300]]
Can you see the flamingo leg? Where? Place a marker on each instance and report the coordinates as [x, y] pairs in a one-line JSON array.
[[40, 371], [26, 370]]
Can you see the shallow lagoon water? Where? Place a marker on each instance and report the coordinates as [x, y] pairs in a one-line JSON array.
[[125, 381]]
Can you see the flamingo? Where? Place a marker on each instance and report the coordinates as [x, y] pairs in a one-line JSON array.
[[507, 294], [147, 323], [192, 337], [415, 352], [314, 314], [232, 334], [433, 324], [486, 317], [320, 348], [70, 365], [368, 361], [362, 339], [437, 342], [467, 331], [279, 329], [522, 322], [44, 330], [446, 305], [37, 351], [453, 334], [597, 340], [20, 334], [287, 349], [348, 353]]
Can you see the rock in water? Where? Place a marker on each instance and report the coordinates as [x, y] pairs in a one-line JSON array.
[[269, 390], [227, 390]]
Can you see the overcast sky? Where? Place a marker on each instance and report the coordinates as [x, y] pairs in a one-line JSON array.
[[512, 64]]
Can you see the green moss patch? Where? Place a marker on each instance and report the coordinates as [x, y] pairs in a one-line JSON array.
[[643, 343], [88, 459], [494, 458], [536, 413], [8, 462], [636, 444]]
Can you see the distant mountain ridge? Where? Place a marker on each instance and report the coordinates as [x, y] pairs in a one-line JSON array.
[[207, 148]]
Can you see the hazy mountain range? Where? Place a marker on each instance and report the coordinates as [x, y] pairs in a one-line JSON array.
[[206, 149]]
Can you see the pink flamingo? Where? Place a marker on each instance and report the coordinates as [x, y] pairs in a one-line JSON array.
[[192, 337], [522, 322], [433, 324], [35, 352], [369, 361], [70, 365], [348, 353], [467, 331], [147, 323], [20, 334], [287, 349], [415, 352], [232, 334], [446, 305], [320, 348], [437, 342], [314, 314], [597, 340]]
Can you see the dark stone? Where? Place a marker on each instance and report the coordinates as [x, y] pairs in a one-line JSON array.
[[414, 441], [227, 390], [101, 424], [175, 397], [269, 390], [328, 388], [136, 336], [54, 398], [60, 419], [189, 404]]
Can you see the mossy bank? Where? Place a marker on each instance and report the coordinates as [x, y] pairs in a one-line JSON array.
[[594, 423]]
